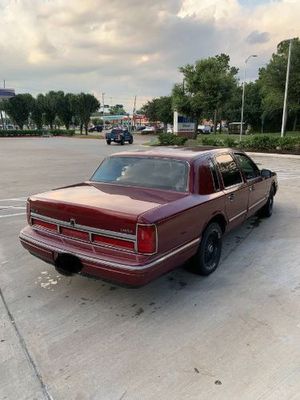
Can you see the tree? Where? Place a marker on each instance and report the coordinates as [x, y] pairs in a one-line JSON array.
[[159, 109], [150, 110], [272, 80], [64, 108], [117, 109], [37, 111], [18, 108], [187, 104], [49, 103], [165, 110], [253, 112], [83, 105], [208, 86]]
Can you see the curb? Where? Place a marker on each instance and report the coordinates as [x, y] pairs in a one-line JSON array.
[[293, 156]]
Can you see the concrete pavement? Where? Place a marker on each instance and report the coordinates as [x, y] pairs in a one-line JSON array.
[[233, 335]]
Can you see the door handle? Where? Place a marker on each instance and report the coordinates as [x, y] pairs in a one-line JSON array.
[[252, 188], [231, 197]]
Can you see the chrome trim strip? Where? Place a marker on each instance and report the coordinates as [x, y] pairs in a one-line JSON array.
[[84, 228], [255, 204], [165, 257], [238, 215]]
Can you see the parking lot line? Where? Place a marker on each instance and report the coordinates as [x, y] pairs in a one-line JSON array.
[[13, 207], [12, 215], [15, 199]]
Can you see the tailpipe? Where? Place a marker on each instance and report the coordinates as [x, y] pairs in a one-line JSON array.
[[67, 264]]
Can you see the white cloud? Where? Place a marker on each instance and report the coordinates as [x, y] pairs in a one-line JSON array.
[[134, 47]]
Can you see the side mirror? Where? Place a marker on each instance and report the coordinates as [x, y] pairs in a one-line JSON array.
[[266, 173]]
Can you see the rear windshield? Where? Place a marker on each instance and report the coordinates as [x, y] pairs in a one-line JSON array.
[[155, 173]]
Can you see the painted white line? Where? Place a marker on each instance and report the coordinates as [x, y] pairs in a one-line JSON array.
[[15, 199], [12, 215], [13, 207]]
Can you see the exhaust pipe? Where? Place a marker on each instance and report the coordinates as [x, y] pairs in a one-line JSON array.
[[67, 264]]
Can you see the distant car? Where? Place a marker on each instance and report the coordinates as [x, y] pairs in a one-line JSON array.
[[144, 213], [140, 128], [234, 128], [149, 129], [96, 128], [205, 129], [119, 135]]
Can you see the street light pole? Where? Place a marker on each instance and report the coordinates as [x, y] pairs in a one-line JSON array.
[[243, 95], [103, 94], [284, 112]]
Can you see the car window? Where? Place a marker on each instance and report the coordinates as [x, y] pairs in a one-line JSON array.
[[214, 174], [248, 167], [156, 173], [229, 170]]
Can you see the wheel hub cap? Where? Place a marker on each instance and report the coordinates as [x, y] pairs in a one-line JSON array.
[[210, 248]]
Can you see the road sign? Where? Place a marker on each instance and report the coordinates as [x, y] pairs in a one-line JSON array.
[[183, 126], [7, 93]]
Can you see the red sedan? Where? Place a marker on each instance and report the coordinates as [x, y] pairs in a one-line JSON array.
[[144, 213]]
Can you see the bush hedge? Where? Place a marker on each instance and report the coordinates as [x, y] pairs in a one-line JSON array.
[[265, 143], [168, 139], [36, 132]]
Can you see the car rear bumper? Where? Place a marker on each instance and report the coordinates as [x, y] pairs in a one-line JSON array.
[[135, 272]]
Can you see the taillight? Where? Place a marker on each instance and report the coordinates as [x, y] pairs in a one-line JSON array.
[[73, 233], [113, 242], [146, 239], [43, 224]]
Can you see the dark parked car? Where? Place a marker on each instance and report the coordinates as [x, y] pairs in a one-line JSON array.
[[96, 128], [235, 128], [144, 213], [119, 135]]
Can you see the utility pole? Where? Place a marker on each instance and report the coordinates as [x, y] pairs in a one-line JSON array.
[[243, 95], [103, 94], [3, 120], [284, 112], [133, 112]]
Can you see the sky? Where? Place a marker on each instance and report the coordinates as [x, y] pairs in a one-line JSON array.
[[134, 47]]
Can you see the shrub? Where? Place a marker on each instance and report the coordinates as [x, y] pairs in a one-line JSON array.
[[264, 143], [229, 142], [211, 141], [36, 132], [14, 133], [168, 139], [61, 132]]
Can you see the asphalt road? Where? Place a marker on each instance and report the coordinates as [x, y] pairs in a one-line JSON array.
[[233, 335]]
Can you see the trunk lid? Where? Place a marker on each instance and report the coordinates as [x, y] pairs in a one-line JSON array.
[[102, 206]]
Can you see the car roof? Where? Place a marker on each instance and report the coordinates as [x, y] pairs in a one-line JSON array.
[[184, 153]]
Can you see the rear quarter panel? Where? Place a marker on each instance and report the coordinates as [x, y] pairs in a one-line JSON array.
[[184, 220]]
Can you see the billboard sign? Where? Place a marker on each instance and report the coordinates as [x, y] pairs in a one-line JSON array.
[[183, 125], [7, 94]]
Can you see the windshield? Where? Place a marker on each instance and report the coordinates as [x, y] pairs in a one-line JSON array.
[[155, 173]]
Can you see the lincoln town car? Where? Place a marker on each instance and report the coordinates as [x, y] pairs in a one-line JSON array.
[[143, 213]]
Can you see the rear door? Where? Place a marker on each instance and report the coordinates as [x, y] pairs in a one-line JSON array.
[[257, 186], [235, 189]]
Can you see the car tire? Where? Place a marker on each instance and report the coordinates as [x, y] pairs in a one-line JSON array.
[[122, 141], [267, 210], [108, 141], [207, 258], [130, 141]]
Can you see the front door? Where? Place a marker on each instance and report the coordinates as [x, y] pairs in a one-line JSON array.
[[235, 189], [257, 186]]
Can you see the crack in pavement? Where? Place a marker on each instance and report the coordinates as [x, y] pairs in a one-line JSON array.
[[25, 350]]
